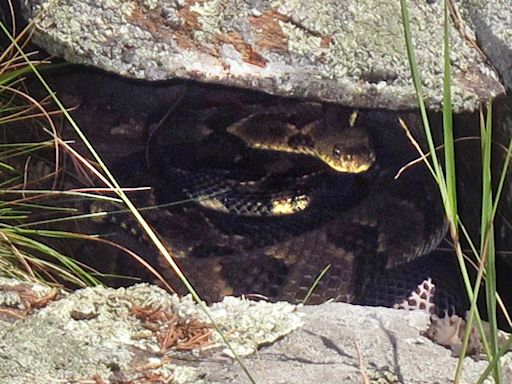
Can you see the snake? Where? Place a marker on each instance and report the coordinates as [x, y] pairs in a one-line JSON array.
[[342, 146], [334, 206]]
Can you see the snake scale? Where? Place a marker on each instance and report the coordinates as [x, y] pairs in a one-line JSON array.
[[265, 199]]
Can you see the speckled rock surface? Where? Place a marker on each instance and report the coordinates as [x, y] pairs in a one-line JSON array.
[[349, 51], [339, 341], [93, 335], [492, 22]]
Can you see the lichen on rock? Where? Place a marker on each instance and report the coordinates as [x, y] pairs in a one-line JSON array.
[[95, 332], [350, 52]]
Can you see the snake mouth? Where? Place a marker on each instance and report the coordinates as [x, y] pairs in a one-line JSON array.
[[356, 162]]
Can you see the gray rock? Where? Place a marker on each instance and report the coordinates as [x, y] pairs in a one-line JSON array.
[[340, 341], [492, 22], [349, 51], [92, 334]]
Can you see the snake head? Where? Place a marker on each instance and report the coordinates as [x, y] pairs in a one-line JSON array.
[[351, 152]]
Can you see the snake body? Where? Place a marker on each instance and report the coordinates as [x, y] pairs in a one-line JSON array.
[[358, 244], [229, 237]]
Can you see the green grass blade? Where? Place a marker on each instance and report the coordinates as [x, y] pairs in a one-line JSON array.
[[446, 181], [488, 230], [19, 238], [418, 89], [315, 283], [494, 363], [449, 151], [503, 176], [8, 77]]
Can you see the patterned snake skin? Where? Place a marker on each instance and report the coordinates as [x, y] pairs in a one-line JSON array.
[[375, 233]]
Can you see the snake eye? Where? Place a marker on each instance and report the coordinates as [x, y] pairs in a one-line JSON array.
[[337, 152]]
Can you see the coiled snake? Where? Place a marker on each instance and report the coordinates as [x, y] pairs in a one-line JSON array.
[[259, 217]]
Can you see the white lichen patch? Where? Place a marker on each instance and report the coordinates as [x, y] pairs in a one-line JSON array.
[[12, 298], [151, 4], [250, 324], [88, 332], [300, 41]]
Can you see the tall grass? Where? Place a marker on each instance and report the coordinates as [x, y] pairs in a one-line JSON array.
[[108, 179], [23, 254], [445, 177]]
